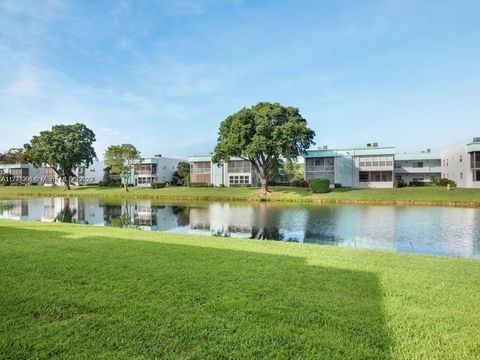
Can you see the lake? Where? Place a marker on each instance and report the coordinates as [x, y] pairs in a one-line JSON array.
[[441, 231]]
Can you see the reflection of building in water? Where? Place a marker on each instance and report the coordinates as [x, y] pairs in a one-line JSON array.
[[144, 216], [14, 210], [352, 226], [438, 231], [222, 219]]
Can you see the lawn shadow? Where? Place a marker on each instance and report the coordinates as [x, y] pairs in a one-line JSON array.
[[124, 298]]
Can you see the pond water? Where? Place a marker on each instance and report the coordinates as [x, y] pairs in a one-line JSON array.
[[427, 230]]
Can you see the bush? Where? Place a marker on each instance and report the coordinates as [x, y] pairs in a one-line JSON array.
[[399, 183], [299, 183], [337, 186], [240, 185], [157, 185], [420, 184], [319, 186], [199, 184], [444, 182]]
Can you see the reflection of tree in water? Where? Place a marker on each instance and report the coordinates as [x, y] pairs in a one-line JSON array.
[[66, 215], [183, 215], [267, 225], [114, 215]]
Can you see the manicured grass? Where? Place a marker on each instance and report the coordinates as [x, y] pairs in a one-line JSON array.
[[79, 292], [404, 196]]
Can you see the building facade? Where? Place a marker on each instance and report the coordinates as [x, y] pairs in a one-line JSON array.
[[369, 167], [425, 166], [236, 172], [158, 169], [379, 167], [461, 164]]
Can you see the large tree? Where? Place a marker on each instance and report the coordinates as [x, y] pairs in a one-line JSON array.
[[262, 135], [13, 156], [121, 159], [64, 148]]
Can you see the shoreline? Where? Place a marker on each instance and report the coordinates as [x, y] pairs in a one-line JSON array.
[[314, 199]]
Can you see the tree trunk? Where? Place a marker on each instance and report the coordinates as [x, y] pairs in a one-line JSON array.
[[125, 185], [264, 185], [66, 185]]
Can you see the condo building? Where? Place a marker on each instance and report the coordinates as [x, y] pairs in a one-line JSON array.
[[425, 166], [368, 167], [461, 164], [236, 172], [45, 175], [158, 169]]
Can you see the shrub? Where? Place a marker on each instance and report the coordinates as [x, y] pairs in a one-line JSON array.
[[444, 182], [337, 186], [240, 185], [299, 183], [199, 184], [157, 185], [420, 184], [399, 183], [319, 186]]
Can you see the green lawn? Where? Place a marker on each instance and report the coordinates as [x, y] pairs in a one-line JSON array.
[[405, 196], [79, 292]]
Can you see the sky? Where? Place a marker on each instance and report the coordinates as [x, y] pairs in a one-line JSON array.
[[163, 74]]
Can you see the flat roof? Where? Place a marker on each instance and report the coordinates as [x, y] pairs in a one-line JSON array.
[[418, 156], [366, 151], [474, 146]]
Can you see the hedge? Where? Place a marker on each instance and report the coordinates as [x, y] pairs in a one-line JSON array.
[[319, 186], [199, 184]]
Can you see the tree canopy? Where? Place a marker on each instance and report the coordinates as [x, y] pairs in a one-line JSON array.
[[13, 156], [64, 148], [263, 134], [121, 159]]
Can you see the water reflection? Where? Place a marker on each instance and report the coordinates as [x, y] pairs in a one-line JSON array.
[[430, 230]]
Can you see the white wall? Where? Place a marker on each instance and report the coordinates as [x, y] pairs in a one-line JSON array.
[[456, 165]]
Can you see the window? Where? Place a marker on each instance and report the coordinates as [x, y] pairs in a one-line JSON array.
[[398, 177], [363, 176], [397, 165], [476, 175], [418, 164], [239, 166], [239, 179], [461, 176], [460, 158]]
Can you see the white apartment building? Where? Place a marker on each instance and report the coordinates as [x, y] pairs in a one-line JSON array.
[[236, 172], [461, 164], [425, 166], [158, 169]]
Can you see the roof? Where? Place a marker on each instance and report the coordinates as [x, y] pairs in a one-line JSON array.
[[418, 156], [368, 151], [14, 166], [475, 146]]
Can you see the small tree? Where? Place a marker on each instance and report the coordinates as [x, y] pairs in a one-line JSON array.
[[121, 159], [64, 149], [292, 170], [183, 169], [262, 135]]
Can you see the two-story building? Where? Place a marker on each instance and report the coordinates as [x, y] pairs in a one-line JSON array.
[[368, 167], [236, 172], [461, 164], [158, 169], [425, 166]]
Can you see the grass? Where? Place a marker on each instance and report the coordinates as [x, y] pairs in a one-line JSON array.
[[404, 196], [79, 292]]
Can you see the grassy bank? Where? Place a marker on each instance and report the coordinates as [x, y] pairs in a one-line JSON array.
[[71, 291], [404, 196]]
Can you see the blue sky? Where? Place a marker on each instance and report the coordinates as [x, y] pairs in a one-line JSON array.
[[162, 75]]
